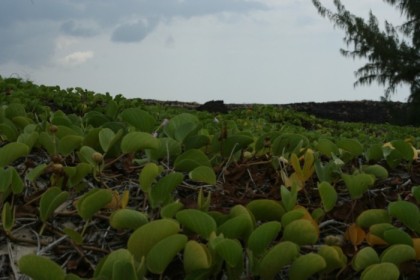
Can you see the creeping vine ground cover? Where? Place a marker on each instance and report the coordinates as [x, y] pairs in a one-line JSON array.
[[102, 187]]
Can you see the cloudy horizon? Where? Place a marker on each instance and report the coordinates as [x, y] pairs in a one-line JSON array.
[[239, 51]]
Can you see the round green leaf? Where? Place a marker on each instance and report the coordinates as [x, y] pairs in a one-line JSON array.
[[164, 251], [92, 202], [191, 159], [384, 271], [231, 251], [136, 141], [328, 195], [50, 200], [11, 152], [266, 209], [110, 265], [372, 216], [276, 258], [333, 256], [408, 213], [40, 268], [398, 254], [364, 258], [197, 221], [145, 237], [148, 176], [127, 219], [196, 257], [307, 265], [138, 118], [262, 236], [301, 232], [377, 170], [203, 174]]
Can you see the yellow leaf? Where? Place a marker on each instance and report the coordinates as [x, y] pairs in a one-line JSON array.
[[373, 240], [355, 234], [124, 199], [115, 202], [416, 245]]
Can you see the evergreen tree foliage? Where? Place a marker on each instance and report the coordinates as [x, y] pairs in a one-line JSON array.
[[393, 53]]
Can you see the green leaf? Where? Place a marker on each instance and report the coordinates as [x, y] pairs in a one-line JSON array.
[[364, 258], [106, 135], [328, 195], [235, 143], [377, 170], [170, 209], [85, 155], [136, 141], [148, 176], [415, 190], [405, 149], [74, 235], [181, 126], [50, 200], [293, 232], [37, 171], [326, 147], [92, 202], [262, 236], [388, 271], [307, 265], [288, 198], [145, 237], [40, 268], [374, 153], [352, 146], [358, 184], [397, 236], [203, 174], [196, 257], [277, 257], [9, 130], [288, 143], [28, 138], [112, 264], [160, 256], [69, 144], [127, 219], [408, 213], [168, 147], [197, 221], [231, 251], [239, 227], [15, 110], [77, 173], [7, 217], [379, 229], [138, 118], [398, 254], [17, 182], [190, 160], [372, 216], [11, 152], [333, 256], [161, 192], [266, 209]]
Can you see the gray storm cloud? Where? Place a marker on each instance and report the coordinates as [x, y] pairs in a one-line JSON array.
[[133, 32], [73, 28], [29, 28]]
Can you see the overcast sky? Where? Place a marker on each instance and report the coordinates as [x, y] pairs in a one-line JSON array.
[[240, 51]]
